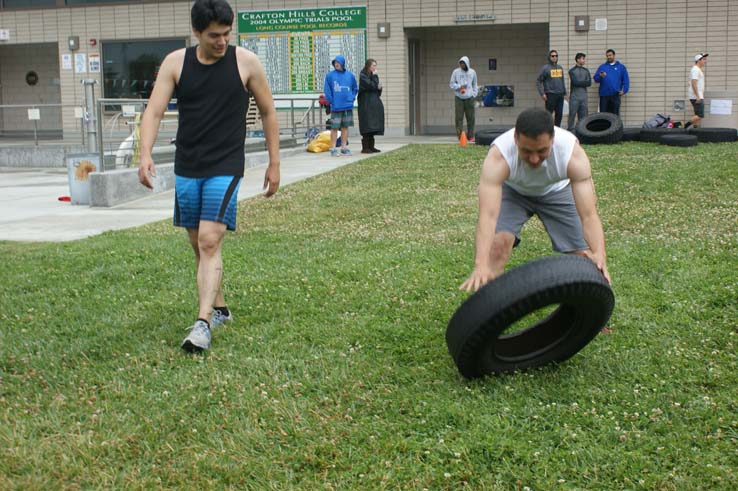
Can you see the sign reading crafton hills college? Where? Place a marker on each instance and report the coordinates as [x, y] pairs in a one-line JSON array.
[[296, 46]]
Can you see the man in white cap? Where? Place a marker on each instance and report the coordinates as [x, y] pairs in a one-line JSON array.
[[696, 89]]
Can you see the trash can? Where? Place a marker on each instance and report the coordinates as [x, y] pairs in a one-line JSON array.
[[79, 166]]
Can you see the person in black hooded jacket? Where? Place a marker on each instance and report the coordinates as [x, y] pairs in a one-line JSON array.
[[371, 109]]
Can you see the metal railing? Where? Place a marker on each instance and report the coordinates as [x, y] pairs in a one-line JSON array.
[[117, 127], [41, 121], [109, 127], [310, 107]]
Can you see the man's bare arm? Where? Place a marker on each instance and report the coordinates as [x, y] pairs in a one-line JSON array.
[[494, 173], [160, 97], [257, 85], [585, 198], [697, 94]]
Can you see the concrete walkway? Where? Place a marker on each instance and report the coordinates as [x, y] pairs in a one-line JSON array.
[[30, 209]]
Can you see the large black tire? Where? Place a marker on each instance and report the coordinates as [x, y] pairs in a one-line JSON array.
[[600, 128], [486, 137], [474, 333], [678, 140], [631, 135], [714, 135], [654, 135]]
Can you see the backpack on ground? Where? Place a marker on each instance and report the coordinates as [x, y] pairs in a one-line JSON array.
[[658, 121]]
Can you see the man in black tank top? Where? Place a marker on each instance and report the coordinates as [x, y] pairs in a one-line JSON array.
[[212, 82]]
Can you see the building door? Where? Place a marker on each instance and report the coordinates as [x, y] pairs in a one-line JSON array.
[[30, 79], [414, 85]]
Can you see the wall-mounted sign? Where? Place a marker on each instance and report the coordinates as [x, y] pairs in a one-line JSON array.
[[94, 63], [128, 110], [721, 106], [66, 61], [4, 34], [601, 24], [296, 46], [80, 63], [474, 18], [34, 114]]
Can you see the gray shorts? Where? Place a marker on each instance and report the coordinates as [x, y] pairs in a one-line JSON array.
[[556, 210], [699, 109]]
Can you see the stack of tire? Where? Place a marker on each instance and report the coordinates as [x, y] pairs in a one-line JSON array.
[[487, 136], [600, 128], [714, 135], [680, 137], [673, 137], [606, 128]]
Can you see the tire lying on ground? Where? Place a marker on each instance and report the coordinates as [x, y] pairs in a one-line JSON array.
[[600, 128], [654, 135], [476, 336], [678, 140], [486, 137], [631, 135], [714, 135]]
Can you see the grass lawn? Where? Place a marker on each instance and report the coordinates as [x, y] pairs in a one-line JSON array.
[[335, 374]]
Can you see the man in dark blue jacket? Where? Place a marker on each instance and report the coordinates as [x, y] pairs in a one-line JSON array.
[[614, 83], [340, 89]]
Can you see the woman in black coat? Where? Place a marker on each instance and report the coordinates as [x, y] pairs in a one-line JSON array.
[[371, 109]]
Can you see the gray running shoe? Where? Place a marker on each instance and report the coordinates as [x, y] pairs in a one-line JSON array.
[[198, 339], [218, 318]]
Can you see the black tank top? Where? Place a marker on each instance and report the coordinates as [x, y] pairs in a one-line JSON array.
[[212, 104]]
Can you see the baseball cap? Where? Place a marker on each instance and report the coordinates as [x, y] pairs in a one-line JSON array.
[[699, 56]]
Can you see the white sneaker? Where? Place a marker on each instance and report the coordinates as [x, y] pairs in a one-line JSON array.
[[199, 337], [218, 318]]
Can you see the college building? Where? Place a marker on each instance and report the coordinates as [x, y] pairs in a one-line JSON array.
[[47, 47]]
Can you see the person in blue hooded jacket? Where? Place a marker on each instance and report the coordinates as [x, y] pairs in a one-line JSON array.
[[340, 89], [614, 83]]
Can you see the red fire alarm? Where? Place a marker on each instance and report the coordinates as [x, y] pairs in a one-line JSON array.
[[93, 42]]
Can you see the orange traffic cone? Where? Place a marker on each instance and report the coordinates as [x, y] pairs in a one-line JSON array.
[[463, 140]]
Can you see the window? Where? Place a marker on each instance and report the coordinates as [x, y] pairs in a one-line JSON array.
[[81, 2], [130, 68], [14, 4]]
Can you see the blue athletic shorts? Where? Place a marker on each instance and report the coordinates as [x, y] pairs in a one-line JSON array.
[[205, 198]]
